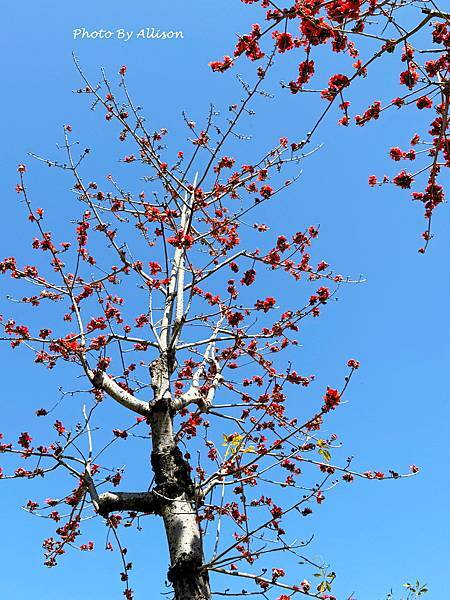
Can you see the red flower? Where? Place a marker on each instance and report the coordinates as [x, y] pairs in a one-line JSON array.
[[332, 399], [409, 78], [305, 72], [155, 268], [249, 277], [224, 163], [285, 41], [276, 511], [373, 112], [266, 304], [266, 191], [354, 364], [403, 180], [319, 497], [202, 139], [396, 154], [249, 46], [282, 243], [221, 66], [398, 102], [119, 433], [235, 318], [323, 293], [276, 573], [424, 102], [338, 81], [316, 31], [99, 323], [181, 240], [305, 585], [59, 427], [114, 520], [141, 320], [25, 440]]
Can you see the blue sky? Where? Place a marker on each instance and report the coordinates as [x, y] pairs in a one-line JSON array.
[[375, 535]]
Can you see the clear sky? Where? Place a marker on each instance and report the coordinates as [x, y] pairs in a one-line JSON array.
[[375, 535]]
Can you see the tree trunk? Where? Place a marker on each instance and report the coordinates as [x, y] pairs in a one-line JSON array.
[[176, 491], [186, 552]]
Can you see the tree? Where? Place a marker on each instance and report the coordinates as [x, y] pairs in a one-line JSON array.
[[164, 315]]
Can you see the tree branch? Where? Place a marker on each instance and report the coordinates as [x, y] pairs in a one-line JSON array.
[[147, 502], [104, 382]]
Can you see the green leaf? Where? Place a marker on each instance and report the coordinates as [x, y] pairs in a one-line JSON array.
[[325, 453]]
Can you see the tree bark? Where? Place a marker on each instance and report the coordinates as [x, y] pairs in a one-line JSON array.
[[175, 489], [145, 502], [189, 580]]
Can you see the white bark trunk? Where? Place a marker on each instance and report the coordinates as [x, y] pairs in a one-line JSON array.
[[176, 491], [186, 552]]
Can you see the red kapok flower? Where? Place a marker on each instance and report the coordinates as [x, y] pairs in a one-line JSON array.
[[221, 66], [403, 180], [332, 398]]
